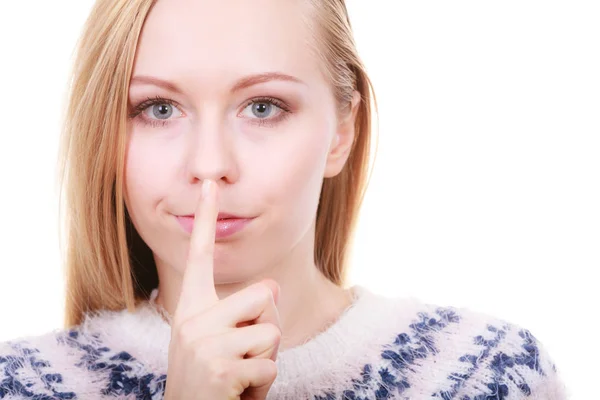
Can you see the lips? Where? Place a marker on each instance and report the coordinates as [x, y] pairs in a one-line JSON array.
[[225, 216], [227, 224], [220, 216]]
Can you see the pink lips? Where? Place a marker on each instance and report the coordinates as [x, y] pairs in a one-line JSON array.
[[226, 226]]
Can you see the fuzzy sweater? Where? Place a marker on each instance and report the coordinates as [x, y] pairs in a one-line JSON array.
[[380, 348]]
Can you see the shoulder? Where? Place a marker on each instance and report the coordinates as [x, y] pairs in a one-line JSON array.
[[86, 361], [456, 353]]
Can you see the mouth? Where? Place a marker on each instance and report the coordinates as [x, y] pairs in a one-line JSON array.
[[227, 224], [220, 217]]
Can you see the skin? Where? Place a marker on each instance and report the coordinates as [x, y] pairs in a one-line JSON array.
[[220, 349], [267, 162]]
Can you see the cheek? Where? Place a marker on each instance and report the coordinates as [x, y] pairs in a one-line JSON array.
[[291, 176], [145, 175]]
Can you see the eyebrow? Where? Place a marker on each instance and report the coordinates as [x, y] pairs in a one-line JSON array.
[[262, 78], [243, 83]]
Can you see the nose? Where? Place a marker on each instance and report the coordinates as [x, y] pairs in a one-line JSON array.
[[210, 155]]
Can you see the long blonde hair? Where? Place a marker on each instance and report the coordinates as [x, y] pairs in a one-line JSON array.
[[107, 264]]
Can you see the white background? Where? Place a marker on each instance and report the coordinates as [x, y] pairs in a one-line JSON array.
[[486, 192]]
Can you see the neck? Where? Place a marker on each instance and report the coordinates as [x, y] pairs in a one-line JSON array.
[[308, 301]]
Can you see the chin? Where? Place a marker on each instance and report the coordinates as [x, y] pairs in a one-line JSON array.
[[233, 276], [233, 269]]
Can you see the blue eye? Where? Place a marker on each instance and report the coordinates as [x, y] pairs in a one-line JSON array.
[[262, 109], [156, 112], [265, 111], [161, 111]]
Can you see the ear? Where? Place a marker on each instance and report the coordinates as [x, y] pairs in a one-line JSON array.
[[342, 139]]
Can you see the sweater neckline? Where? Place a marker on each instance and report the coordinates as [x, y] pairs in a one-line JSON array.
[[352, 341], [358, 293], [348, 341]]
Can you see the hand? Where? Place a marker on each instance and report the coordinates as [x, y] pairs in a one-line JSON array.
[[220, 349]]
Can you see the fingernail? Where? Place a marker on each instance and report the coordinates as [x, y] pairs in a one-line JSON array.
[[205, 188]]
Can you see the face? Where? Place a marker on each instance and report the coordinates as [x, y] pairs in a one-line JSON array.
[[231, 91]]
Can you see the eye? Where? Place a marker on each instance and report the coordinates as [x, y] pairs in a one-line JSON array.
[[161, 111], [262, 109], [155, 111]]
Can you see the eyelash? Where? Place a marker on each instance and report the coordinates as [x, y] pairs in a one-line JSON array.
[[138, 110]]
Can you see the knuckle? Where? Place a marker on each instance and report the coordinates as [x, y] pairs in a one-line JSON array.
[[184, 334], [181, 333], [273, 333], [199, 357], [263, 292], [270, 369], [219, 372]]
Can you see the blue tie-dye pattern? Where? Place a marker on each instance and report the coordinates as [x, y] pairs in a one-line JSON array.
[[121, 380], [125, 375], [500, 365], [11, 384], [475, 360], [408, 348], [120, 366], [399, 357]]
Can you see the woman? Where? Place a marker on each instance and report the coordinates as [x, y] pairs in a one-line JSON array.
[[215, 158]]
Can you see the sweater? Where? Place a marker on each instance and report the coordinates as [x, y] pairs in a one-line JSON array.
[[379, 348]]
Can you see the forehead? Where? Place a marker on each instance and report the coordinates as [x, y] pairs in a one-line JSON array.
[[226, 38]]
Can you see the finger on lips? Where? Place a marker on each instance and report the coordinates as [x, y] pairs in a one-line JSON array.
[[198, 291]]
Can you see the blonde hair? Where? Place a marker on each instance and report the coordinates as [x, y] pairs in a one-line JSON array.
[[107, 264]]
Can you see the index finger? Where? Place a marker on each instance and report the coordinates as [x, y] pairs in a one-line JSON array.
[[198, 291]]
